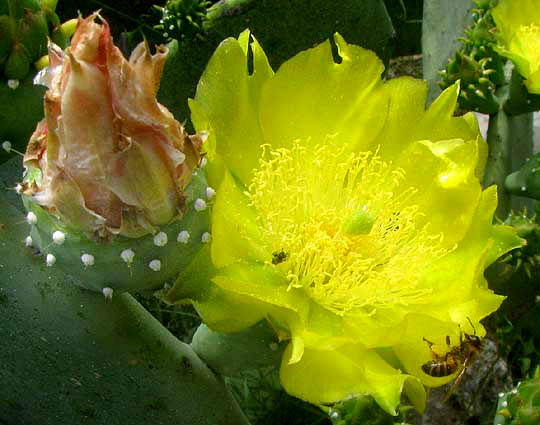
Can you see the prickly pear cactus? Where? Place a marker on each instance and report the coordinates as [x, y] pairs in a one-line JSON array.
[[521, 405], [181, 19], [476, 64], [113, 191], [25, 27]]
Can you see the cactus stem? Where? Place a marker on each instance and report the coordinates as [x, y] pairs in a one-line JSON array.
[[200, 204], [87, 259], [155, 265], [50, 260], [183, 237], [161, 239]]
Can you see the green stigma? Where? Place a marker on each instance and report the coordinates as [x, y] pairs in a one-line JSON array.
[[359, 222]]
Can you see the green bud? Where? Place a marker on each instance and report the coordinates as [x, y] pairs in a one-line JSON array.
[[526, 181], [18, 63], [32, 33], [17, 7], [52, 18], [49, 4], [7, 29], [61, 34]]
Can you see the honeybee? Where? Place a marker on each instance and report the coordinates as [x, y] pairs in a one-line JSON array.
[[279, 257], [457, 358]]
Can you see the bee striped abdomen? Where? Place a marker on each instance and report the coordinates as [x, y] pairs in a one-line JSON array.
[[439, 369]]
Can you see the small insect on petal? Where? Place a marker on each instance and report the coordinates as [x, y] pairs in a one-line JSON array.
[[161, 239], [155, 265], [59, 237], [6, 146], [13, 84], [127, 255], [200, 204], [107, 293], [50, 260], [183, 237], [87, 259], [31, 218], [205, 238], [210, 193]]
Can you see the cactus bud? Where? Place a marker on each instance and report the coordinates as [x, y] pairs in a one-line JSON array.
[[18, 63], [7, 29], [109, 167], [49, 4], [32, 33], [61, 34]]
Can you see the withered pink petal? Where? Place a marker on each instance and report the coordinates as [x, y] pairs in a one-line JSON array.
[[106, 143]]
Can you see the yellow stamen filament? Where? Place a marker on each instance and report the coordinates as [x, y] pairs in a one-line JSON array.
[[306, 197]]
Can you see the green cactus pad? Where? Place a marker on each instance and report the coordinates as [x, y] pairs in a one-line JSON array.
[[108, 264]]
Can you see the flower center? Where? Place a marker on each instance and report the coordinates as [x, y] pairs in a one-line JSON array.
[[342, 227]]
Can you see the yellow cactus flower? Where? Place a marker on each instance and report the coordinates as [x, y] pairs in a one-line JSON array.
[[346, 215], [518, 23], [110, 158]]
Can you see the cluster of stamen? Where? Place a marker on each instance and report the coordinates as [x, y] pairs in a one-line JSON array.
[[347, 225]]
